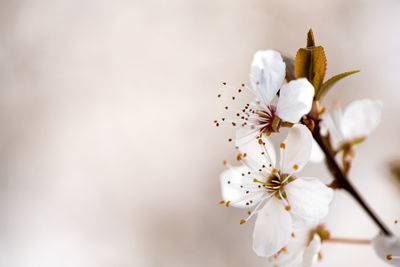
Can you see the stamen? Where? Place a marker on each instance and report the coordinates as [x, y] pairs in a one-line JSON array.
[[390, 257], [227, 203], [222, 202]]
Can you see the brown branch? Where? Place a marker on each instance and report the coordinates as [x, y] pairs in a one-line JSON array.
[[342, 181]]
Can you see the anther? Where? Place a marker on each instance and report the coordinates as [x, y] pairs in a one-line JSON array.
[[295, 167], [233, 124], [224, 83], [240, 90], [274, 170], [219, 95], [222, 202], [224, 162], [242, 84], [227, 203], [292, 235], [242, 221], [283, 146], [233, 98], [239, 157], [226, 107], [287, 207], [229, 182], [230, 139], [389, 257], [244, 155]]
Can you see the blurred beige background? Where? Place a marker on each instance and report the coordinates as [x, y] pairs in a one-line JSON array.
[[108, 154]]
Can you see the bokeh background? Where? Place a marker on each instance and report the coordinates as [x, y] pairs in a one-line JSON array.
[[108, 153]]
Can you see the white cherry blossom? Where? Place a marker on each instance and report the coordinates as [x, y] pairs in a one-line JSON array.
[[267, 78], [265, 112], [354, 124], [276, 193]]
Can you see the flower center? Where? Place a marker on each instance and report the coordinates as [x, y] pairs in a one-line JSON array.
[[267, 119]]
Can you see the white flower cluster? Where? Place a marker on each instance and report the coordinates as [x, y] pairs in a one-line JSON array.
[[289, 207]]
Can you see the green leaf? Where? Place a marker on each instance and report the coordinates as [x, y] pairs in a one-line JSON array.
[[310, 39], [331, 82], [310, 63]]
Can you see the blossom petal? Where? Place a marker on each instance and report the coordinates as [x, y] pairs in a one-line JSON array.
[[317, 155], [296, 149], [384, 245], [310, 255], [268, 72], [309, 198], [272, 228], [292, 255], [360, 118], [231, 190], [295, 100], [256, 155]]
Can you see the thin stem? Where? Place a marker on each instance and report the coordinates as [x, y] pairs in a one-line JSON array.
[[342, 181], [349, 241]]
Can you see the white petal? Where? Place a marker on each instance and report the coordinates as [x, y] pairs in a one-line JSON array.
[[311, 252], [295, 100], [296, 150], [360, 118], [231, 190], [332, 124], [292, 256], [317, 155], [384, 245], [268, 72], [247, 143], [272, 228], [309, 198]]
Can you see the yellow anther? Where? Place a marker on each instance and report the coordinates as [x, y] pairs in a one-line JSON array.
[[389, 257], [242, 221], [283, 146], [287, 207], [295, 167], [222, 202], [227, 203]]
